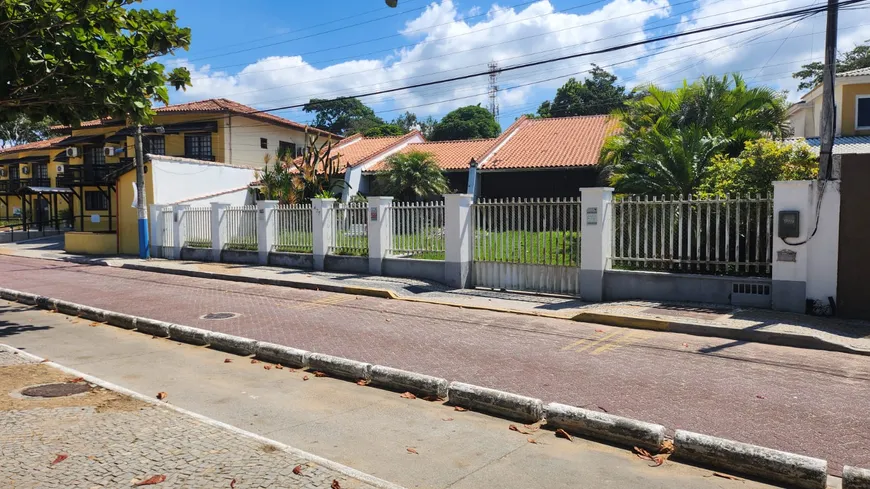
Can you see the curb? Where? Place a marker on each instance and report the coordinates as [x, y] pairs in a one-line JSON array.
[[326, 463], [605, 426], [634, 322], [794, 470], [855, 478]]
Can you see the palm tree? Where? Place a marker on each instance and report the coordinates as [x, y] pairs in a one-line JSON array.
[[668, 136], [413, 176]]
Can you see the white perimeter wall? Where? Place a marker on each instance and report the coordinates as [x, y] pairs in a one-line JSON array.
[[244, 136], [239, 197], [178, 179]]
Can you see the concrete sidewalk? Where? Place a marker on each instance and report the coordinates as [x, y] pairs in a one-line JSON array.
[[741, 324], [366, 428]]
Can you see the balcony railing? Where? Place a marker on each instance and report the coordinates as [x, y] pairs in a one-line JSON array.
[[8, 186], [34, 182], [87, 175]]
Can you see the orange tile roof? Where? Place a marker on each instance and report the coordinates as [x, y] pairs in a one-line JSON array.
[[450, 155], [44, 144], [553, 143], [357, 149], [216, 105]]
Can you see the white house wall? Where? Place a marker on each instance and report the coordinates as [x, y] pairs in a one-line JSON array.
[[239, 197], [244, 136], [181, 179]]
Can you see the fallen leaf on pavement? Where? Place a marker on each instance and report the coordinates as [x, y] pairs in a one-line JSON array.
[[335, 485], [641, 453], [408, 395], [318, 373], [560, 433], [387, 320], [411, 450], [433, 398], [154, 479], [601, 408], [724, 476], [77, 380], [760, 396], [446, 419], [45, 360], [233, 484], [532, 440], [278, 366], [599, 330], [533, 427], [161, 395], [363, 382], [254, 360], [460, 409], [685, 345], [304, 377], [667, 447], [60, 458], [513, 427], [297, 470], [291, 369], [94, 324], [267, 367], [227, 360]]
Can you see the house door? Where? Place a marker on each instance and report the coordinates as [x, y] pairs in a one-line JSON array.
[[853, 268]]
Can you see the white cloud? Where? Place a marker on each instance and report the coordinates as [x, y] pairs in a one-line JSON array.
[[447, 46]]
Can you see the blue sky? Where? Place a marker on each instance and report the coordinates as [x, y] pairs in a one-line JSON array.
[[295, 50]]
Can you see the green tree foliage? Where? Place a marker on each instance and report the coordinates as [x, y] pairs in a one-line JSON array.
[[297, 180], [471, 122], [708, 117], [761, 163], [412, 176], [22, 130], [598, 94], [409, 121], [71, 60], [384, 130], [810, 74], [342, 116]]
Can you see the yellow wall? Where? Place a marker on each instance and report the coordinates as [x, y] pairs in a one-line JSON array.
[[15, 201], [91, 243], [848, 107]]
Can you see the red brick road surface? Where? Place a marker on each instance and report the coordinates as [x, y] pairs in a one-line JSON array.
[[811, 402]]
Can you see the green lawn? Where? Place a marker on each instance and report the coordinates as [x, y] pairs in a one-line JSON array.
[[543, 248]]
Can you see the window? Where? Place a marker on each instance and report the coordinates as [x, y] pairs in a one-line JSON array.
[[94, 156], [155, 145], [13, 172], [286, 148], [862, 112], [197, 145], [96, 201], [40, 170], [264, 143]]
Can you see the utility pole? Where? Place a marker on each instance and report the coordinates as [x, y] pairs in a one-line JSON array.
[[141, 207], [829, 74]]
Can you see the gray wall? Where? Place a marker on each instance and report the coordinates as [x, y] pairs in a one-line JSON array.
[[196, 254], [653, 286], [238, 256], [346, 264], [291, 260], [406, 267]]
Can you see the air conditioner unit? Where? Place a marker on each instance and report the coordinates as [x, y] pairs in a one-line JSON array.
[[72, 152], [59, 169], [2, 172], [25, 169], [111, 151]]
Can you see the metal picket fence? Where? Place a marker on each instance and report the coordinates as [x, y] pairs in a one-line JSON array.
[[351, 233], [241, 222], [167, 225], [293, 231], [417, 230], [725, 236], [528, 244], [197, 227]]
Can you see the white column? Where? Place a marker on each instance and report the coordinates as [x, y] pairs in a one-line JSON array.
[[458, 240], [218, 229], [824, 247], [156, 234], [596, 233], [179, 229], [380, 231], [266, 215], [322, 228]]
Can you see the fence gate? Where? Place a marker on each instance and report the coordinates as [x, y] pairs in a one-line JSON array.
[[528, 244], [167, 221]]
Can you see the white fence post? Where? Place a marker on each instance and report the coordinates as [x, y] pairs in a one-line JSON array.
[[380, 231], [322, 229], [156, 235], [459, 240], [266, 229], [218, 229], [595, 240], [179, 230]]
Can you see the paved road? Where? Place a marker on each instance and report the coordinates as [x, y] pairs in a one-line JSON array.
[[811, 402]]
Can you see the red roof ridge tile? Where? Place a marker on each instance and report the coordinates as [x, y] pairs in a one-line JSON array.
[[34, 145]]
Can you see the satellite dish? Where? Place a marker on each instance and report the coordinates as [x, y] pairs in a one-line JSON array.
[[392, 3]]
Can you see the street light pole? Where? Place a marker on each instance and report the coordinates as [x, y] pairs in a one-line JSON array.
[[141, 206]]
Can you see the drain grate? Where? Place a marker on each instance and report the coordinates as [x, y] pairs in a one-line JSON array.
[[217, 316], [56, 390]]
